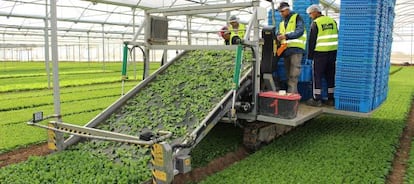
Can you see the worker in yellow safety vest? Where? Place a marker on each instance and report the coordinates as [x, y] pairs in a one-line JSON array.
[[237, 30], [323, 44], [292, 36]]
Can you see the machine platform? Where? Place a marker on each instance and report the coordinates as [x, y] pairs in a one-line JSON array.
[[306, 113]]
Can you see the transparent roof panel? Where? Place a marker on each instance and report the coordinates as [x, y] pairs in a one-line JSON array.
[[20, 19]]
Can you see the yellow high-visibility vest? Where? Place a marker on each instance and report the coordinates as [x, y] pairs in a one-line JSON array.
[[327, 34], [291, 26], [240, 32]]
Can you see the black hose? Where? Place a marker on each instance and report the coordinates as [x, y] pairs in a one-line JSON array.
[[143, 56]]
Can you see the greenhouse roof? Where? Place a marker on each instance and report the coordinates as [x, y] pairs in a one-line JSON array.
[[22, 21]]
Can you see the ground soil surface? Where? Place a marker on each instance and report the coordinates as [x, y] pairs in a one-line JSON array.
[[23, 154], [395, 176], [399, 164]]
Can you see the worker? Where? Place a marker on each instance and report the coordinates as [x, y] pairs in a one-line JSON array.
[[237, 30], [225, 34], [292, 36], [323, 44]]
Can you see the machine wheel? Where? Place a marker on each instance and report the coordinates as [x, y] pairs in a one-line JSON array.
[[257, 134]]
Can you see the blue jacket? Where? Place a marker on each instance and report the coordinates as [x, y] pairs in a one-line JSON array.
[[300, 29]]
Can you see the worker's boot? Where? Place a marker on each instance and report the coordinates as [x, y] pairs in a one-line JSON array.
[[330, 101], [314, 102]]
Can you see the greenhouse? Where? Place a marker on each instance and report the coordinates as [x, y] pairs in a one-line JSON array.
[[206, 91]]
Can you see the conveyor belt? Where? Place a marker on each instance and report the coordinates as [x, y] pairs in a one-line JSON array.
[[195, 128]]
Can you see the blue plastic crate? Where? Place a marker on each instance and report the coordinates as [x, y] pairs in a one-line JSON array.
[[377, 101], [324, 89], [305, 90], [281, 71], [355, 104], [348, 68], [353, 93], [351, 3], [355, 60], [358, 20], [358, 52], [348, 39], [369, 9], [356, 79], [354, 89], [349, 17], [350, 42], [306, 71]]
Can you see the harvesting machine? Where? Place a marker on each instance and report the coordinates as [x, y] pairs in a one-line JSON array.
[[245, 104]]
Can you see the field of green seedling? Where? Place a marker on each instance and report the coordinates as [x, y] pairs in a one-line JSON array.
[[176, 101], [86, 89], [327, 149], [333, 149]]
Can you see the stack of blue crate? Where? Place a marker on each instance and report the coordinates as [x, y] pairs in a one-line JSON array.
[[363, 55], [386, 24]]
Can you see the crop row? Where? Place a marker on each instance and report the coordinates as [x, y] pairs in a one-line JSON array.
[[222, 139], [43, 74], [18, 135], [18, 116], [30, 83], [68, 90], [31, 68], [176, 101], [30, 102], [332, 149], [77, 101], [73, 78]]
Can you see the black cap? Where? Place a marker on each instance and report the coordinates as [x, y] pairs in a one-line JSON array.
[[283, 5]]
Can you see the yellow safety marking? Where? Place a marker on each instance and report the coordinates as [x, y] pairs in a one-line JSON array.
[[159, 175], [187, 161], [157, 154], [51, 143]]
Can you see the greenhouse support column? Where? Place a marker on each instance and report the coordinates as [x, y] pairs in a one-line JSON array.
[[181, 38], [227, 14], [73, 51], [114, 52], [122, 46], [255, 24], [207, 39], [55, 56], [146, 50], [411, 58], [103, 47], [189, 29], [89, 52], [79, 47], [67, 52], [133, 52], [4, 52], [107, 49]]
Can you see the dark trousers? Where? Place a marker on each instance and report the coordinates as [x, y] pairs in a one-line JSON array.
[[323, 67]]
